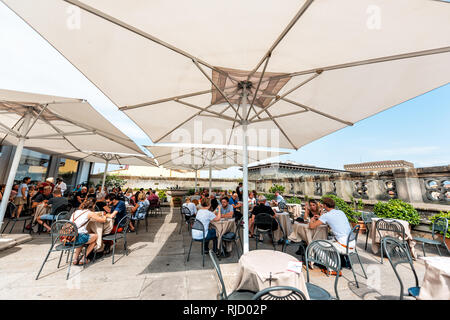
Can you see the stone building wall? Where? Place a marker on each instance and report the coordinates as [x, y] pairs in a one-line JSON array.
[[172, 182], [426, 187]]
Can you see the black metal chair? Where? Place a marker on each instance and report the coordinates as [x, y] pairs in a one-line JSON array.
[[140, 215], [198, 225], [394, 227], [236, 295], [58, 233], [158, 209], [124, 223], [353, 236], [186, 215], [322, 252], [439, 225], [398, 254], [262, 220], [234, 237], [292, 294], [367, 218], [63, 215], [11, 208]]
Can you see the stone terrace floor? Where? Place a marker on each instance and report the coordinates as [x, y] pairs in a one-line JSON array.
[[156, 268]]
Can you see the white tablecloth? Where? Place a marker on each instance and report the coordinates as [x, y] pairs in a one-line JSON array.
[[436, 281]]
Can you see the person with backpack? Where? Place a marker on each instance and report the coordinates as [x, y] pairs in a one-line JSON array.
[[81, 218]]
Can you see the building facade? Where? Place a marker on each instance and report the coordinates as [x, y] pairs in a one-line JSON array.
[[378, 166], [40, 166]]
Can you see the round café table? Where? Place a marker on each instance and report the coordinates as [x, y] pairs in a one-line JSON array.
[[436, 281], [301, 231], [260, 269], [224, 226]]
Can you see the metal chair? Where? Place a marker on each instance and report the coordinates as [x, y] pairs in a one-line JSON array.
[[198, 225], [234, 237], [439, 225], [125, 223], [186, 215], [11, 208], [266, 294], [391, 226], [398, 254], [323, 253], [262, 220], [57, 234], [63, 215], [367, 218], [236, 295], [158, 209], [353, 236]]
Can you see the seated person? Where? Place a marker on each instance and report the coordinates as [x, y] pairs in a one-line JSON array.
[[191, 206], [139, 210], [80, 196], [234, 202], [312, 208], [278, 198], [116, 210], [58, 204], [205, 217], [261, 207], [40, 202], [214, 203], [337, 221], [225, 208], [81, 217]]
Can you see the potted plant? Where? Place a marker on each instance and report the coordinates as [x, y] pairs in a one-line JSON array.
[[397, 209], [441, 233]]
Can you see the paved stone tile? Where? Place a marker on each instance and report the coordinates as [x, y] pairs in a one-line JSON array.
[[156, 268]]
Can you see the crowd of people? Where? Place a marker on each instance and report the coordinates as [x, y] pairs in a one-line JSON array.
[[206, 208]]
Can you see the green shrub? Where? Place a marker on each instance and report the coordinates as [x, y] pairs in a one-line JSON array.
[[277, 187], [397, 209], [441, 215], [343, 206], [293, 200], [162, 194], [269, 196]]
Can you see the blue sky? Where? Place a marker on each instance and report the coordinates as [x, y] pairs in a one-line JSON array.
[[416, 131]]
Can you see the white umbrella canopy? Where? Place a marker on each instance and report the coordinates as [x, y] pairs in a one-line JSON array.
[[286, 72], [329, 63], [57, 126], [201, 158]]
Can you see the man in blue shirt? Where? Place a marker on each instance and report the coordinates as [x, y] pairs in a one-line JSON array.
[[116, 209], [234, 202]]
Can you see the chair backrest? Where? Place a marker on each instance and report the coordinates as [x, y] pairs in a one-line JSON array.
[[223, 292], [291, 294], [186, 211], [397, 254], [282, 205], [59, 232], [440, 225], [367, 216], [63, 215], [264, 220], [323, 252], [124, 223], [352, 236], [10, 209], [198, 225], [391, 226]]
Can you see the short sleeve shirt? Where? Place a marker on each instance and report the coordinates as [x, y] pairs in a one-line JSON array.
[[205, 217], [121, 211], [338, 222]]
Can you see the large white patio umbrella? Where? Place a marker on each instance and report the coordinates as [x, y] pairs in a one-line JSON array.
[[113, 158], [202, 158], [57, 126], [301, 69]]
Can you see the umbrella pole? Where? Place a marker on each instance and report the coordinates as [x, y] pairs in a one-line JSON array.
[[210, 181], [14, 166], [245, 172], [195, 188], [104, 175]]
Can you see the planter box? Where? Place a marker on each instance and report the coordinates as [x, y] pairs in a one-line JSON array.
[[362, 226]]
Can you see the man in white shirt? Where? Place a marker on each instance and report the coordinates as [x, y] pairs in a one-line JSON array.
[[191, 206], [61, 185], [338, 222]]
